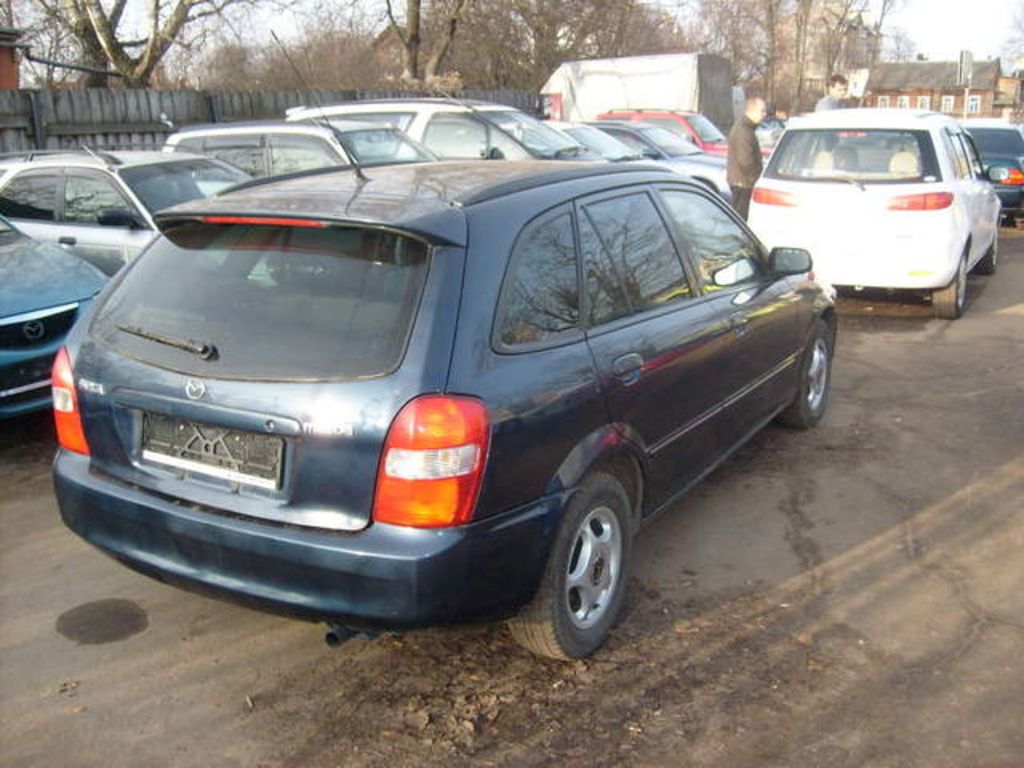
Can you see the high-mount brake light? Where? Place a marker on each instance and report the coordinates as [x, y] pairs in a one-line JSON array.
[[265, 221], [767, 196], [433, 462], [66, 414], [927, 201]]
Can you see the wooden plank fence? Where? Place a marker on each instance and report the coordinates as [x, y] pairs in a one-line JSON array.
[[125, 118]]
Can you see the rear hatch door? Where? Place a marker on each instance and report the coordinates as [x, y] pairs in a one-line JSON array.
[[254, 368]]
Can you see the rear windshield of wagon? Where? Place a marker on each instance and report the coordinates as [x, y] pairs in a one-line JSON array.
[[268, 302], [867, 156]]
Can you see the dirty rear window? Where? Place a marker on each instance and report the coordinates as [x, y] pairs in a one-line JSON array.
[[273, 302], [864, 156]]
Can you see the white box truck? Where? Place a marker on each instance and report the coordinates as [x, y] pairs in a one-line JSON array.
[[688, 82]]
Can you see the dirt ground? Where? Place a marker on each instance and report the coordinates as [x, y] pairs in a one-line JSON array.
[[845, 597]]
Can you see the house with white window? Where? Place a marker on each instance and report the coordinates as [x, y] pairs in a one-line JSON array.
[[933, 85]]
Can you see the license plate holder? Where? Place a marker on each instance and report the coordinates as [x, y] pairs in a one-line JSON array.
[[234, 455]]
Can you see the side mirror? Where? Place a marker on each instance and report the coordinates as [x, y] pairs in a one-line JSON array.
[[495, 154], [734, 273], [789, 261], [120, 217], [997, 173]]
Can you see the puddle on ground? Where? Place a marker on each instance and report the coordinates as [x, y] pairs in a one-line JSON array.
[[102, 621]]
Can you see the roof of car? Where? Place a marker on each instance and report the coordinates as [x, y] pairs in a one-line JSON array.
[[101, 158], [869, 118], [266, 126], [990, 122], [397, 105], [423, 198]]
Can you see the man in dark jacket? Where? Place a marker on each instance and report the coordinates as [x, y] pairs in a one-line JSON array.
[[744, 163]]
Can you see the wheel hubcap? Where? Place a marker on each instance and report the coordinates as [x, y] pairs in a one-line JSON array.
[[817, 374], [592, 574]]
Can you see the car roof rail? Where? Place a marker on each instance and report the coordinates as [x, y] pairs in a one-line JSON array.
[[28, 155]]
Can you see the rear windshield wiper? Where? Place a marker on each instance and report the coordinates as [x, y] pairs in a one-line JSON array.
[[201, 349]]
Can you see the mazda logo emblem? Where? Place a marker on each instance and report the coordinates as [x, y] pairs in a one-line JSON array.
[[194, 389], [33, 330]]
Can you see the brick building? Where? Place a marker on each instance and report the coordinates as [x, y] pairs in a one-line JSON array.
[[932, 85], [9, 57]]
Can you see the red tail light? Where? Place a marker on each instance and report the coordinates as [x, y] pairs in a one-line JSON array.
[[1016, 177], [929, 201], [766, 196], [68, 418], [433, 462]]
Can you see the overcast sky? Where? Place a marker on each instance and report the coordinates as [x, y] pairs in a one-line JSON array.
[[942, 28]]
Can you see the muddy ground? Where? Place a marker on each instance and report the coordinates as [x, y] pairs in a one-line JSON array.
[[850, 596]]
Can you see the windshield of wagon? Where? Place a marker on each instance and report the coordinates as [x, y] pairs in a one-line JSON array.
[[274, 302], [669, 143], [890, 156], [538, 138], [600, 143], [706, 129], [162, 185]]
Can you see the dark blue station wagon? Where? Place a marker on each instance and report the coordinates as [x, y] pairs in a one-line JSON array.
[[444, 393]]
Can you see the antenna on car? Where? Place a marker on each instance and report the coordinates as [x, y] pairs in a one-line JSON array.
[[322, 116]]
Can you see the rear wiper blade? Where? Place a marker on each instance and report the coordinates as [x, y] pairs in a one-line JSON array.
[[202, 349]]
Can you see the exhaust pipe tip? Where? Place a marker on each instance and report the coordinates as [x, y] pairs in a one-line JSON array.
[[336, 635]]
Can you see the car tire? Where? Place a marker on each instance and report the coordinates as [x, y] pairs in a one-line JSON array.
[[582, 590], [812, 396], [948, 303], [990, 261]]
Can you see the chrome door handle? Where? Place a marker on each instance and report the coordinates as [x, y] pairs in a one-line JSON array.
[[628, 368]]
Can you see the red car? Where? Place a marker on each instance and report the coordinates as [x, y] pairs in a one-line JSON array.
[[690, 125]]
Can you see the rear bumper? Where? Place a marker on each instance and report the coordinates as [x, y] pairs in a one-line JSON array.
[[1011, 197], [384, 577]]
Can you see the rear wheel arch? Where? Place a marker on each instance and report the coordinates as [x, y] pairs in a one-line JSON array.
[[606, 449]]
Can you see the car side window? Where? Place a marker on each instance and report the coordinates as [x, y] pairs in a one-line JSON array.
[[540, 295], [972, 155], [30, 196], [243, 152], [289, 154], [456, 137], [630, 262], [86, 196], [957, 155], [723, 253]]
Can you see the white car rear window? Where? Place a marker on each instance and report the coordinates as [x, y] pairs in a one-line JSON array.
[[867, 156]]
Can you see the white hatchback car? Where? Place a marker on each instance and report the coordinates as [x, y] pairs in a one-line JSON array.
[[882, 198]]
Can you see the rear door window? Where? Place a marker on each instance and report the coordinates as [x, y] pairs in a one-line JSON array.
[[866, 156], [275, 302], [630, 263], [540, 297], [243, 152], [87, 195], [289, 154], [31, 196]]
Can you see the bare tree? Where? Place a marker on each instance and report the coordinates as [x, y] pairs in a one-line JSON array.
[[103, 43], [450, 14]]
